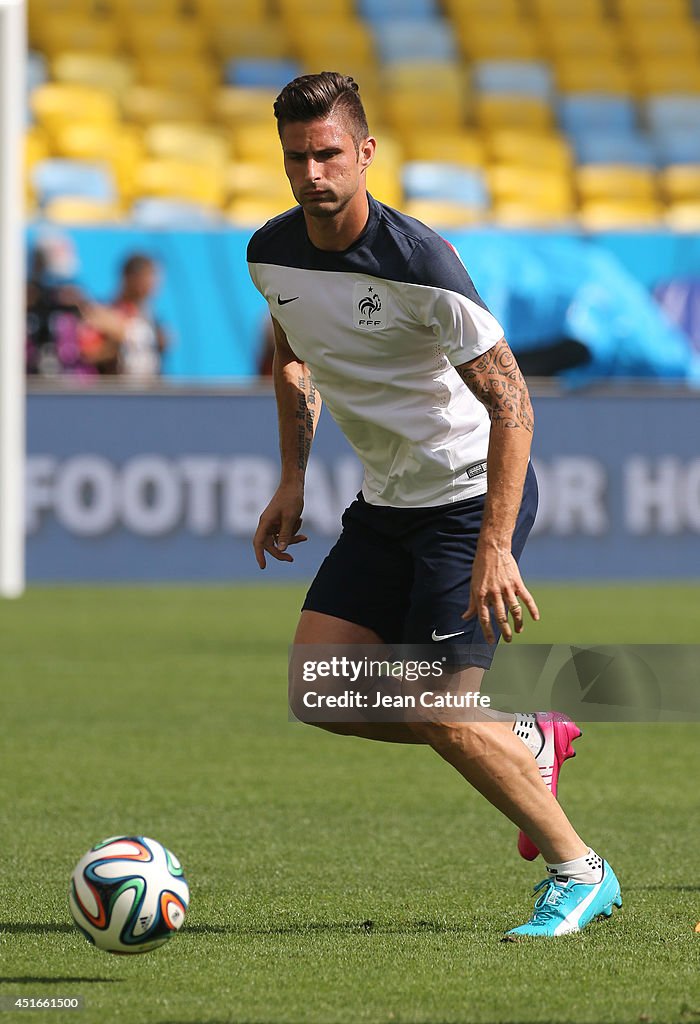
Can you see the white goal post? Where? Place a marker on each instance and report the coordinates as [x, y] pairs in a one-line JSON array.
[[13, 44]]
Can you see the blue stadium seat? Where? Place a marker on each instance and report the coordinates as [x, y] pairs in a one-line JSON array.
[[55, 177], [581, 112], [390, 10], [522, 77], [404, 40], [449, 182], [260, 72], [611, 147], [670, 112], [677, 145], [37, 72], [172, 213]]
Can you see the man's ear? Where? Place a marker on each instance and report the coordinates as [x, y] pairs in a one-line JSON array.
[[367, 150]]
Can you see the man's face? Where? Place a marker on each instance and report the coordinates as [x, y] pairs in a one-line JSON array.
[[322, 164]]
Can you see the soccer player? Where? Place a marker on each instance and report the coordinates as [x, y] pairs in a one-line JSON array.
[[378, 313]]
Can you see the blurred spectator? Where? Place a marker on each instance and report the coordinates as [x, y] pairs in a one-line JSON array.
[[133, 344]]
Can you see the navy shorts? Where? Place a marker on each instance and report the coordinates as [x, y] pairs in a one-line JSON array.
[[406, 572]]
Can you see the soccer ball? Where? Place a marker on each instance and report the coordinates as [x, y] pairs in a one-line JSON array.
[[128, 894]]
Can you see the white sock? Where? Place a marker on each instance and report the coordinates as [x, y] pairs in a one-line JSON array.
[[587, 869], [526, 729]]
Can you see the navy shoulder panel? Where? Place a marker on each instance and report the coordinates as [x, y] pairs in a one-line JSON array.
[[273, 239]]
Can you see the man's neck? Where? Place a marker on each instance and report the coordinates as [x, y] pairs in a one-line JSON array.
[[335, 234]]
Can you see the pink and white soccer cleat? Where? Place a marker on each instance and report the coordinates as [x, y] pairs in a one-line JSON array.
[[558, 733]]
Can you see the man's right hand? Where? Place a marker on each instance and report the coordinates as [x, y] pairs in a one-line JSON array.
[[278, 527]]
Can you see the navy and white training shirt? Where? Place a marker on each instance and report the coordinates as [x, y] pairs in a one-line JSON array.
[[381, 327]]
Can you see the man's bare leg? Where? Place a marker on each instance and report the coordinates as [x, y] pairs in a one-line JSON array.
[[486, 753]]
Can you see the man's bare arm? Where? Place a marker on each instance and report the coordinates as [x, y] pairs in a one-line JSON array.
[[495, 379], [298, 409]]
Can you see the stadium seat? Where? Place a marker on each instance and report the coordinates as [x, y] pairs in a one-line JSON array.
[[156, 38], [588, 75], [36, 146], [560, 10], [646, 10], [513, 214], [55, 103], [180, 179], [442, 215], [424, 180], [431, 76], [546, 190], [683, 217], [80, 210], [57, 177], [391, 10], [533, 149], [665, 39], [604, 215], [58, 33], [260, 72], [235, 105], [614, 181], [156, 212], [257, 143], [681, 75], [464, 148], [495, 39], [189, 76], [677, 146], [118, 145], [251, 213], [130, 10], [469, 11], [236, 12], [113, 74], [404, 40], [331, 43], [143, 104], [680, 182], [673, 112], [409, 111], [525, 78], [597, 147], [262, 180], [37, 71], [502, 111], [305, 10], [586, 112], [187, 141], [577, 38], [261, 39]]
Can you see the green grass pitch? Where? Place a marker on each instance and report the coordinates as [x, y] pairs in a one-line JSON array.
[[333, 880]]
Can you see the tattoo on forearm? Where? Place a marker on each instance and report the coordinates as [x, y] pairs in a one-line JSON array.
[[495, 379], [305, 419]]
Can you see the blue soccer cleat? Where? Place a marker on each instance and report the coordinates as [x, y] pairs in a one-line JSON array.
[[565, 906]]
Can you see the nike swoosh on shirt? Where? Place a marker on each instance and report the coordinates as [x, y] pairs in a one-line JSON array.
[[283, 302], [446, 636]]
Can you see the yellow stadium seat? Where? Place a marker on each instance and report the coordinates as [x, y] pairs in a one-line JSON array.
[[555, 10], [113, 74], [144, 104], [36, 146], [612, 181], [464, 11], [499, 40], [333, 44], [512, 213], [644, 10], [79, 210], [545, 189], [194, 77], [152, 36], [257, 143], [441, 214], [586, 75], [56, 102], [181, 179], [663, 39], [611, 215], [252, 213], [184, 140], [417, 109], [235, 105], [684, 216], [427, 75], [511, 111], [384, 176], [258, 180], [463, 148], [231, 11], [116, 144], [58, 33], [575, 38], [292, 10], [681, 75], [533, 149], [251, 39], [680, 182], [129, 10]]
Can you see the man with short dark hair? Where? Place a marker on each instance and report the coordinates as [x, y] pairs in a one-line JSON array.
[[378, 313]]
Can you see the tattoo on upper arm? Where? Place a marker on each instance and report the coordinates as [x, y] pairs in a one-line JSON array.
[[305, 415], [495, 379]]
